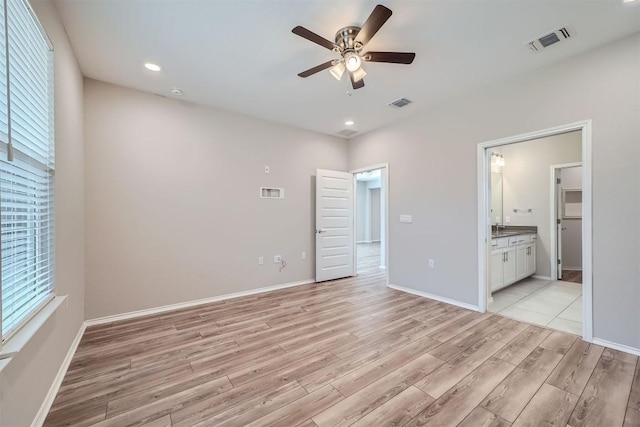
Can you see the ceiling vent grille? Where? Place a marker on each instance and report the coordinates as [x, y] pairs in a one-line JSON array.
[[399, 103], [552, 38], [347, 132]]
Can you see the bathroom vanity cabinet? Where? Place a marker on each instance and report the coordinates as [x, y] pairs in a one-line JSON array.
[[513, 258]]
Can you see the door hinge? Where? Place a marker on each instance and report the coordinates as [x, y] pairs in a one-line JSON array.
[[559, 262], [558, 180], [558, 221]]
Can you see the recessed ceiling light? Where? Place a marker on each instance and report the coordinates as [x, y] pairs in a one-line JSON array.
[[151, 66], [349, 123], [176, 91]]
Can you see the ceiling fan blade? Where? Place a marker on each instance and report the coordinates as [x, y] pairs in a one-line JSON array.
[[356, 84], [311, 36], [373, 23], [316, 69], [393, 57]]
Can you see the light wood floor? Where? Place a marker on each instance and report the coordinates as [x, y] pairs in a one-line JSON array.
[[347, 352], [574, 276], [368, 257]]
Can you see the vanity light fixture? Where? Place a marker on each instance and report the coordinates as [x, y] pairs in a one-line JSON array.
[[499, 160]]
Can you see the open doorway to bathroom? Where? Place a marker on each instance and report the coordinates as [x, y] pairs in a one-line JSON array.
[[370, 218], [521, 240]]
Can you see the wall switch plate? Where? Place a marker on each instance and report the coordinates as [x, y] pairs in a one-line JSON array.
[[507, 219], [260, 260], [277, 258], [303, 255], [432, 263], [266, 168], [406, 219]]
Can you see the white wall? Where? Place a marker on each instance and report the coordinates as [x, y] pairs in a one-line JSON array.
[[375, 208], [26, 379], [572, 233], [362, 210], [602, 85], [364, 224], [526, 184], [173, 212]]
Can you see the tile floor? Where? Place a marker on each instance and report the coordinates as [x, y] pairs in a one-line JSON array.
[[554, 304]]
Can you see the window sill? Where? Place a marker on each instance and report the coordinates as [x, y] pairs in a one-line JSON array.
[[22, 337]]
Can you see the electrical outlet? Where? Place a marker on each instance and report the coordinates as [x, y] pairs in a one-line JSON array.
[[432, 263], [507, 219], [303, 255], [260, 260], [277, 258]]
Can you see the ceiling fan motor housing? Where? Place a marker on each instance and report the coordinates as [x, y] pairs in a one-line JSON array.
[[346, 39]]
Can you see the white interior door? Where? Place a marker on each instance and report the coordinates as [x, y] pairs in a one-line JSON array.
[[334, 225]]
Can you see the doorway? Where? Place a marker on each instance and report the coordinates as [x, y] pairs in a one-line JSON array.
[[566, 186], [371, 207], [519, 212]]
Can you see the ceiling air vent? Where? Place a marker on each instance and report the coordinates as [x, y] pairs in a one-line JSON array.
[[399, 103], [347, 132], [552, 38]]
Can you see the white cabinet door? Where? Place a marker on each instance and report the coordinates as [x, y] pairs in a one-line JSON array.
[[497, 275], [509, 266], [522, 255], [531, 259]]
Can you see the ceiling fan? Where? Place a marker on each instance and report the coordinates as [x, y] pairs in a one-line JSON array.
[[350, 41]]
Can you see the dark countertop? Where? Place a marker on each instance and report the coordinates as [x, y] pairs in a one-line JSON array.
[[513, 230]]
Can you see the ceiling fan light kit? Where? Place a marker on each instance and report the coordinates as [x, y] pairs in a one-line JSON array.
[[349, 43]]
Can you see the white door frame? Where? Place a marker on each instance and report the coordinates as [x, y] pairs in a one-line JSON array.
[[484, 224], [384, 214], [553, 192]]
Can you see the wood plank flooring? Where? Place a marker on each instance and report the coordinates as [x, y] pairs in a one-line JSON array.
[[350, 352], [368, 257], [574, 276]]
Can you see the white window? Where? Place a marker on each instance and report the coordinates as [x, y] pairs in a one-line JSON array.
[[27, 166]]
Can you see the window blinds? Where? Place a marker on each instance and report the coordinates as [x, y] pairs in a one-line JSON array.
[[26, 166]]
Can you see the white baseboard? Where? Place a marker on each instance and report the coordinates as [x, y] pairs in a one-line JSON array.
[[615, 346], [38, 421], [536, 276], [435, 297], [162, 309]]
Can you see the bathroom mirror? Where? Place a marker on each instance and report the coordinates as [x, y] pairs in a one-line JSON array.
[[496, 198]]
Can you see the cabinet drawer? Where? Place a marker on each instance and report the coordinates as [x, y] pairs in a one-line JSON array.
[[499, 243], [520, 239]]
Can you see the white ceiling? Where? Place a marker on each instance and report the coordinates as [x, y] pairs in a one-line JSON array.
[[240, 55]]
